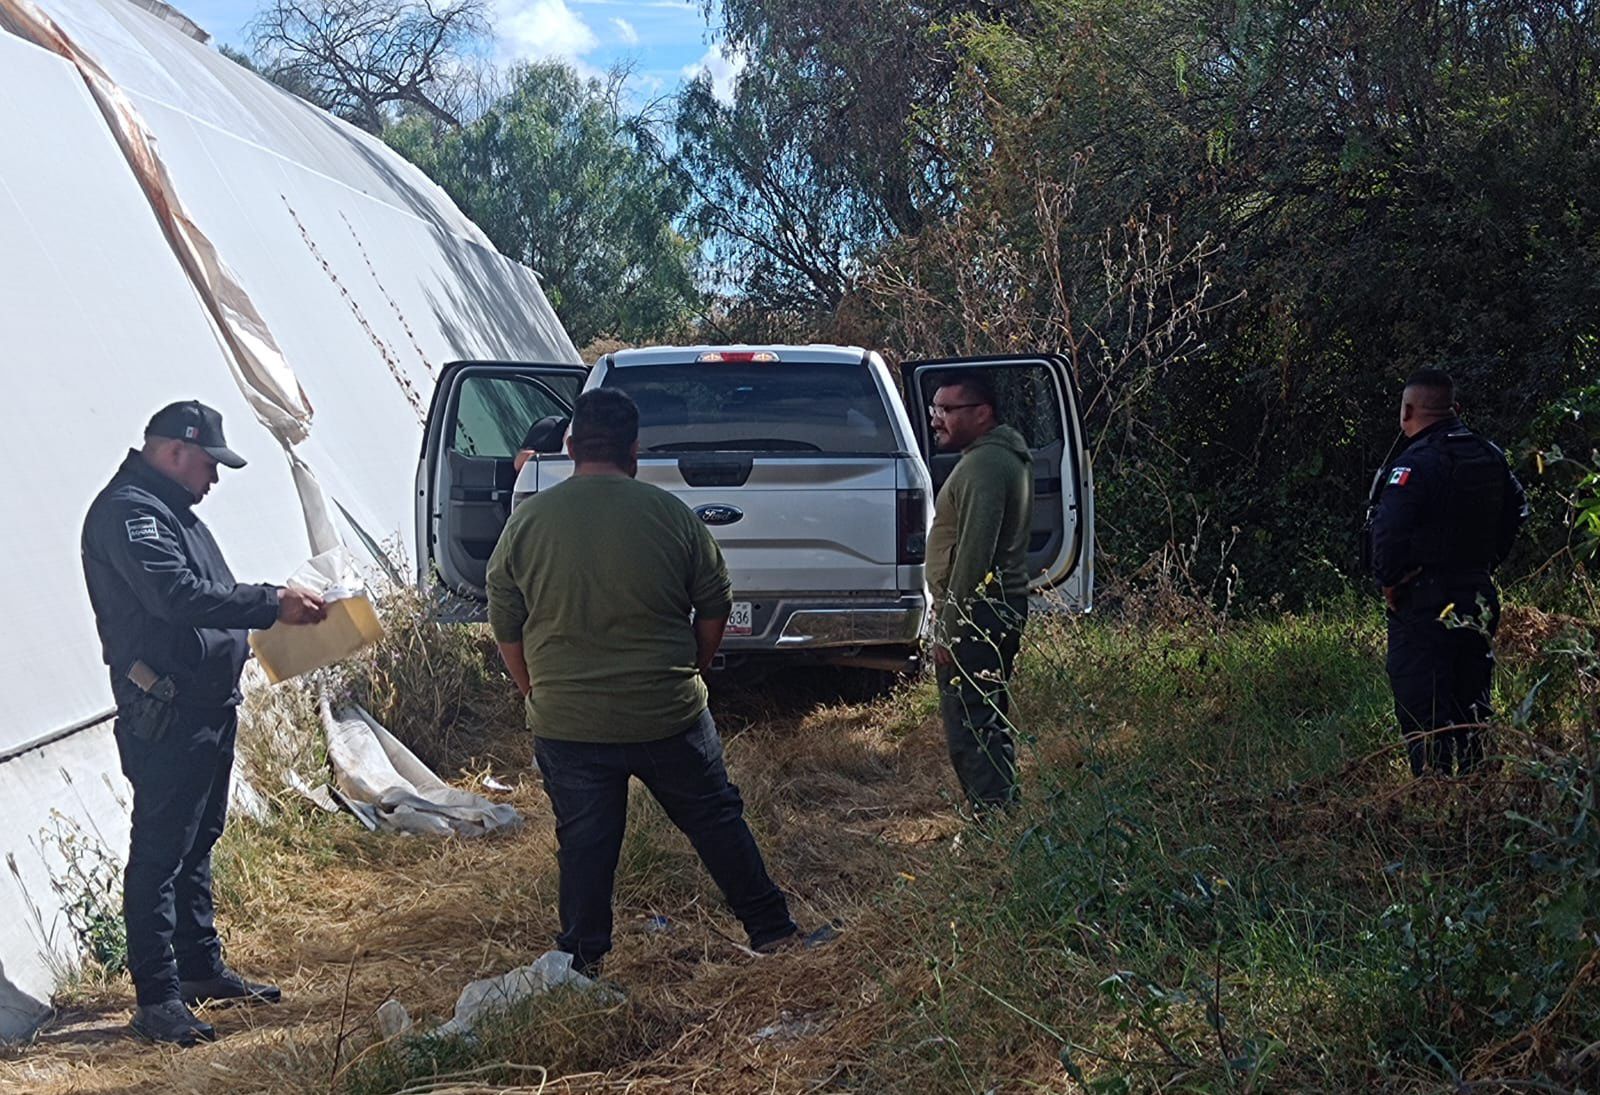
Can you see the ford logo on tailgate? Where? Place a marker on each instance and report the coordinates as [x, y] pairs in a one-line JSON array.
[[719, 514]]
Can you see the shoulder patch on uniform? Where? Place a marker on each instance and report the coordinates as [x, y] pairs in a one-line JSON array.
[[143, 528], [1399, 477]]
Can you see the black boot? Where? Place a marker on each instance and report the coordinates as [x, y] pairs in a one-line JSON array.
[[226, 987], [171, 1021]]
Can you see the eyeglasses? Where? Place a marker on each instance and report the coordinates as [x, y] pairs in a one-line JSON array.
[[941, 410]]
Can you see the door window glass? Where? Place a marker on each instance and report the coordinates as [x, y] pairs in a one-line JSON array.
[[493, 413], [1025, 396]]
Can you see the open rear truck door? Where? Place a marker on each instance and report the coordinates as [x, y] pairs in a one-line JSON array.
[[1037, 397], [480, 413]]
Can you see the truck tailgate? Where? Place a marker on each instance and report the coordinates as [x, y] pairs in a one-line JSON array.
[[786, 523]]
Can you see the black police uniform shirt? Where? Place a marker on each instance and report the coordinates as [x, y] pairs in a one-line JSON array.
[[162, 593], [1449, 508]]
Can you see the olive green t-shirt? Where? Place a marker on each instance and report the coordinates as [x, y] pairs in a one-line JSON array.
[[597, 577]]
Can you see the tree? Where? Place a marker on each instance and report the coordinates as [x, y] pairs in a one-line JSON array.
[[1245, 222], [821, 156], [365, 59], [781, 228], [563, 181], [1395, 186]]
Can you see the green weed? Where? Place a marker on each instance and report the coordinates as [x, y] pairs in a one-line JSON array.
[[89, 886], [564, 1031], [1224, 881]]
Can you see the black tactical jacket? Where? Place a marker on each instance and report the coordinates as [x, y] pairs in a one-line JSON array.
[[162, 593], [1448, 506]]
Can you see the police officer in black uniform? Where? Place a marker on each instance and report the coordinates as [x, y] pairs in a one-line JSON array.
[[172, 625], [1445, 512]]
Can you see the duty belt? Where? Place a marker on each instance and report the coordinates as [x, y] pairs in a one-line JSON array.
[[150, 682], [1441, 577]]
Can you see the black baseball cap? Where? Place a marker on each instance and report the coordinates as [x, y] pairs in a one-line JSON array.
[[198, 424]]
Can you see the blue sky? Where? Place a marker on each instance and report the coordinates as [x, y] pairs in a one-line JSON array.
[[664, 41]]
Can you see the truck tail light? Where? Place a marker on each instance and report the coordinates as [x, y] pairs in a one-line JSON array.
[[911, 527], [737, 357]]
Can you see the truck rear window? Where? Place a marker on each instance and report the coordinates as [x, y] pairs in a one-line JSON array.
[[761, 407]]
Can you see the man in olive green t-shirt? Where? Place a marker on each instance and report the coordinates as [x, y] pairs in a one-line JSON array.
[[977, 572], [591, 590]]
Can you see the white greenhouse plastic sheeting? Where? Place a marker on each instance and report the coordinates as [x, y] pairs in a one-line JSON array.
[[367, 277], [387, 787]]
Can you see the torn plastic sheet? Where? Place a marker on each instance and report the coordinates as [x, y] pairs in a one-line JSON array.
[[392, 1020], [263, 375], [320, 531], [495, 994], [319, 796], [388, 788], [262, 372]]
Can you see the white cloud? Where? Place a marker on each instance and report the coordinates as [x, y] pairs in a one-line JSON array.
[[625, 31], [674, 5], [723, 68], [536, 30]]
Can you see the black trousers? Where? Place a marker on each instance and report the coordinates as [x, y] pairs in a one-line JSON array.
[[975, 702], [1441, 677], [180, 804], [588, 787]]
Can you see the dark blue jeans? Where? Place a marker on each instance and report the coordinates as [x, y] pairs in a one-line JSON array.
[[180, 804], [588, 787]]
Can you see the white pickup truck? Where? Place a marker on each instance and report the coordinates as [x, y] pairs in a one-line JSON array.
[[813, 465]]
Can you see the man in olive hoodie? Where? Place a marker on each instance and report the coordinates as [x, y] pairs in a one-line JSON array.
[[977, 570]]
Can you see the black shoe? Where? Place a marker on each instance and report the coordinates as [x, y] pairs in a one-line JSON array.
[[821, 937], [226, 987], [796, 941], [170, 1021]]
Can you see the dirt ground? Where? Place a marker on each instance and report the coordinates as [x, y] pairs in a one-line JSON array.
[[849, 802]]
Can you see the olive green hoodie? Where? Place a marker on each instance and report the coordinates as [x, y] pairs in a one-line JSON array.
[[979, 542]]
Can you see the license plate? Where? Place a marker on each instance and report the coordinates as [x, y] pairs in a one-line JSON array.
[[739, 622]]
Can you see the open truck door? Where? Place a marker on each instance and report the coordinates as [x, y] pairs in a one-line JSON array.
[[1037, 397], [480, 413]]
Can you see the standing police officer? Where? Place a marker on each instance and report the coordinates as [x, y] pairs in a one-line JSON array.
[[172, 625], [1446, 512]]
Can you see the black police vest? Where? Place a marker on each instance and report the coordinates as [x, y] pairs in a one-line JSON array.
[[1459, 533]]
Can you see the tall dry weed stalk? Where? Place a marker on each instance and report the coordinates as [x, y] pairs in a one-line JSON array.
[[1126, 303]]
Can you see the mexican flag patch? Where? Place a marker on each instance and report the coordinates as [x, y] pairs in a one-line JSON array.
[[1399, 476]]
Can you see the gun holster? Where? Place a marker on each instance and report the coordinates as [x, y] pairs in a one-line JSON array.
[[153, 711]]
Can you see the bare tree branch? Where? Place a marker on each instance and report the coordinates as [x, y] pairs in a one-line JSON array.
[[365, 60]]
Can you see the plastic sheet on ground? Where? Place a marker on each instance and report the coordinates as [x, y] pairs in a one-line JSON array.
[[493, 994], [789, 1027], [319, 796], [388, 788], [392, 1020]]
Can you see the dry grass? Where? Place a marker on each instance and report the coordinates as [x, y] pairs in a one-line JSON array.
[[847, 802], [1221, 882]]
